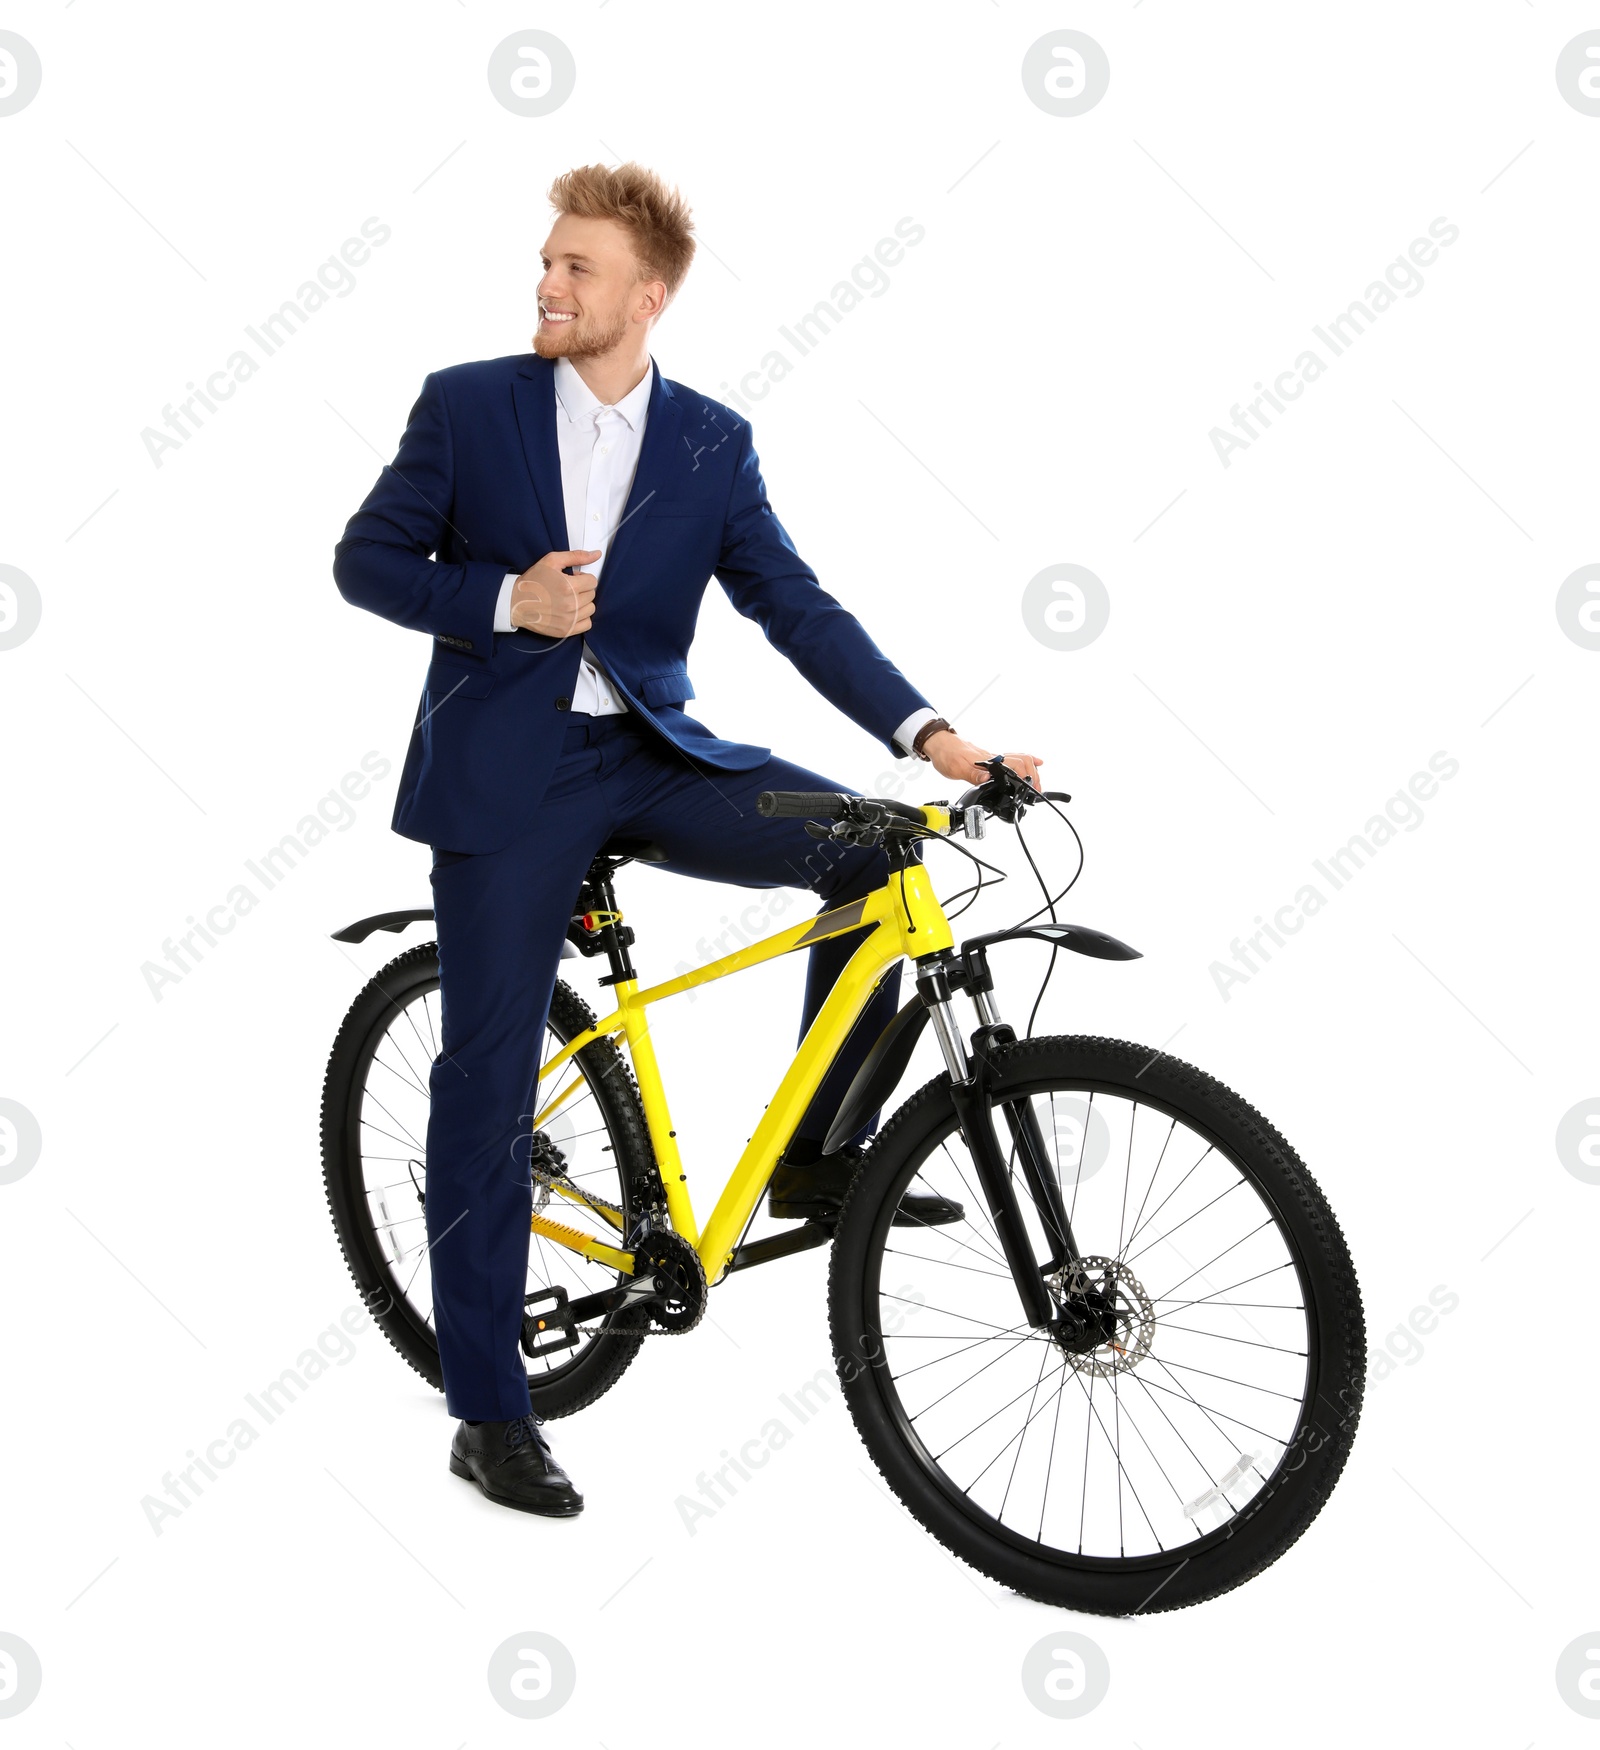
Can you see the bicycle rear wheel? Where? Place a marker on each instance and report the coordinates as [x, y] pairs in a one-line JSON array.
[[375, 1105], [1196, 1442]]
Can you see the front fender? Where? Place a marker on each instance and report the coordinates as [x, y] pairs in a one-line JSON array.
[[1078, 937]]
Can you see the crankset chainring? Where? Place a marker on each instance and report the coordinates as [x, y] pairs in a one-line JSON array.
[[681, 1290], [1105, 1290]]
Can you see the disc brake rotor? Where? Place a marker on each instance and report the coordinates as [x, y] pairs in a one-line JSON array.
[[1105, 1293]]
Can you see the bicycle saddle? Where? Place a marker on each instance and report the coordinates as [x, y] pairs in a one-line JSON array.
[[628, 850]]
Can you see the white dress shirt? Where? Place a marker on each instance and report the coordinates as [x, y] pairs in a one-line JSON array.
[[599, 450]]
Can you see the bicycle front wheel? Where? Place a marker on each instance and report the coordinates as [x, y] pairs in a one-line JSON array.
[[1196, 1442]]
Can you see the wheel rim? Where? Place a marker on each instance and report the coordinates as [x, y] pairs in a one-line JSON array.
[[1134, 1454], [390, 1106]]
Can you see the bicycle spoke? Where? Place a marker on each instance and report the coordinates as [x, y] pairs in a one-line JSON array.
[[938, 1360], [1017, 1456], [948, 1264], [1219, 1337], [1252, 1305], [393, 1119], [975, 1202], [1184, 1367], [408, 1076], [985, 1423], [367, 1124], [1088, 1429], [1116, 1453], [1288, 1264], [1169, 1197], [1055, 1429], [944, 1309], [1144, 1386], [1222, 1254], [959, 1336], [944, 1233], [1156, 1174], [1156, 1460], [1147, 1409], [1021, 1433], [1185, 1222], [380, 1227], [961, 1384], [1127, 1177], [1083, 1149], [1210, 1410]]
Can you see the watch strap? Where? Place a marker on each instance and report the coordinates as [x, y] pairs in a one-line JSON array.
[[934, 726]]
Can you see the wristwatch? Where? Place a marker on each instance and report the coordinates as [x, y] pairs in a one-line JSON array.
[[934, 726]]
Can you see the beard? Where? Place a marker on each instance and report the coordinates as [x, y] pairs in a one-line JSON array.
[[584, 337]]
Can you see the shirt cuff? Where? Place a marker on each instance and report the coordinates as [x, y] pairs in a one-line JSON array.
[[905, 736], [502, 608]]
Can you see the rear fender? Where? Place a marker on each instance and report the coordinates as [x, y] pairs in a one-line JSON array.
[[395, 921]]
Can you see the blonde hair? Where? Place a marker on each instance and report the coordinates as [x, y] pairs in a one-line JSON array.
[[655, 216]]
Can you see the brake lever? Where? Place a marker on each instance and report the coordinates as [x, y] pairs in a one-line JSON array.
[[1009, 791]]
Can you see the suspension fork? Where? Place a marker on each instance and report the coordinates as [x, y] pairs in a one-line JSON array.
[[1027, 1139], [970, 1084]]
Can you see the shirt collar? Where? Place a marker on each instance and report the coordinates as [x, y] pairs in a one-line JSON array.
[[578, 400]]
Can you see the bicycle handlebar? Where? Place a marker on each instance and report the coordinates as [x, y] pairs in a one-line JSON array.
[[877, 811], [1005, 795], [802, 804]]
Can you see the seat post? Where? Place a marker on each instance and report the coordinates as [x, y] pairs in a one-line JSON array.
[[616, 938]]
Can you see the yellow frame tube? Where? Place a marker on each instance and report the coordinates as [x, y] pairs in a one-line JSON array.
[[575, 1240], [905, 919]]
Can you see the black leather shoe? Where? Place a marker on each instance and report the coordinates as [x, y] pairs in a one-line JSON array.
[[815, 1192], [512, 1464]]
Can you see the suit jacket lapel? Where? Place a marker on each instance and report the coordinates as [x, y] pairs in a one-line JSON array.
[[534, 393], [658, 458]]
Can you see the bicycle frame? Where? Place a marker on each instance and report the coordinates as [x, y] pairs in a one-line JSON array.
[[906, 921]]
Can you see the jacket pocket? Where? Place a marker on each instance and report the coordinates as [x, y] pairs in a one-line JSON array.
[[457, 680], [666, 689]]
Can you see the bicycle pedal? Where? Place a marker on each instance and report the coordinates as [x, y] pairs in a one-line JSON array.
[[546, 1333]]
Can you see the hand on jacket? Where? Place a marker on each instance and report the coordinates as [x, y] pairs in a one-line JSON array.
[[546, 600]]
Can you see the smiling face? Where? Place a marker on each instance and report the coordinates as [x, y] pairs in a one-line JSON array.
[[594, 290]]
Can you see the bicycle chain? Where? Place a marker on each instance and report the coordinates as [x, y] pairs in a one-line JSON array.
[[554, 1181]]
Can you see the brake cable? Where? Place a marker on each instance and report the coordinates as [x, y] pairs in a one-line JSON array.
[[972, 857], [1050, 903]]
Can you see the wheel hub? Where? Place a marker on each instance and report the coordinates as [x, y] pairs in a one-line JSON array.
[[1106, 1321]]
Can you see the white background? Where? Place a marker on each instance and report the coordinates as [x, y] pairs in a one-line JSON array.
[[1371, 582]]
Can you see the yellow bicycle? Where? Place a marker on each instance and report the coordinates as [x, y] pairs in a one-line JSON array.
[[1125, 1379]]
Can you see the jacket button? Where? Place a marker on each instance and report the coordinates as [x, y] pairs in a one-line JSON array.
[[563, 703]]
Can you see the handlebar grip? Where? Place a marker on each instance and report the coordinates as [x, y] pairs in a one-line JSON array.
[[801, 805]]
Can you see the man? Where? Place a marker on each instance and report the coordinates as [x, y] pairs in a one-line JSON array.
[[553, 720]]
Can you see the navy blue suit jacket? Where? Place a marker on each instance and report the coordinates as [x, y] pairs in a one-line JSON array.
[[475, 492]]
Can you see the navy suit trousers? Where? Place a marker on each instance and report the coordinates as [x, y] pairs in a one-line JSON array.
[[502, 918]]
